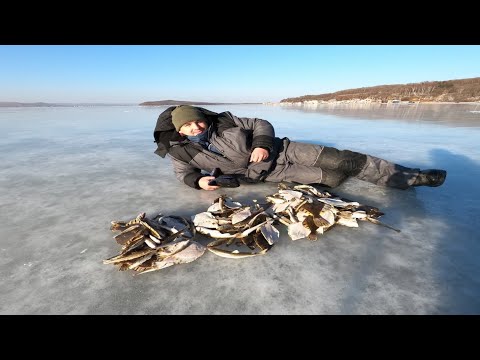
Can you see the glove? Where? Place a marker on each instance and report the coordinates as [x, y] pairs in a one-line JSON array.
[[225, 181]]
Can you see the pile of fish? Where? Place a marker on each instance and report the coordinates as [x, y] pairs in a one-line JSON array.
[[149, 245], [308, 212], [154, 244], [248, 227]]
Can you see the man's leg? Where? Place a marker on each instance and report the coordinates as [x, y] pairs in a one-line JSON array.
[[306, 175], [346, 161], [296, 163], [382, 172], [378, 171], [339, 164], [386, 173]]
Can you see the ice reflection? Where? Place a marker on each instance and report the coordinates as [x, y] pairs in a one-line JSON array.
[[447, 114]]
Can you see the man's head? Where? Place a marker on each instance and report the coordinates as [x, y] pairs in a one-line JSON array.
[[189, 120]]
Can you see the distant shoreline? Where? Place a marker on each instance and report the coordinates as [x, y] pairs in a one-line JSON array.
[[19, 104], [30, 105], [181, 102]]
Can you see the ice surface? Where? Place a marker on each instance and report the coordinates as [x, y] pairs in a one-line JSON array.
[[67, 172]]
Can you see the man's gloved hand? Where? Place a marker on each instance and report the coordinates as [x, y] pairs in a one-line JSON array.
[[224, 181], [204, 183]]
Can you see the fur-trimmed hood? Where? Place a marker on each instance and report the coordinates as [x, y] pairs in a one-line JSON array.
[[165, 134]]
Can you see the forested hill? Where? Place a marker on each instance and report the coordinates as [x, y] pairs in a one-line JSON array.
[[461, 90]]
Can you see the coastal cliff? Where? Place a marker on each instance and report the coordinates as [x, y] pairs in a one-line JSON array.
[[461, 90]]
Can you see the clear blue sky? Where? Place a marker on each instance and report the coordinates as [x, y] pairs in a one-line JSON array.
[[233, 73]]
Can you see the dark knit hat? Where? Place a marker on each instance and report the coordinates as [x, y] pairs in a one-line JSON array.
[[186, 113]]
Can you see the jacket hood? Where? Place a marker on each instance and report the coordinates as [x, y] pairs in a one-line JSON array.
[[165, 133]]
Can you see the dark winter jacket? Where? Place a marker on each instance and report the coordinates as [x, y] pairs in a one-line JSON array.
[[235, 137]]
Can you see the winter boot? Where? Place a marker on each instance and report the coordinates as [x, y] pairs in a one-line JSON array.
[[430, 177]]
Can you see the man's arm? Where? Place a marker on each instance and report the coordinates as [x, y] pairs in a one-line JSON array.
[[191, 176], [263, 131]]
